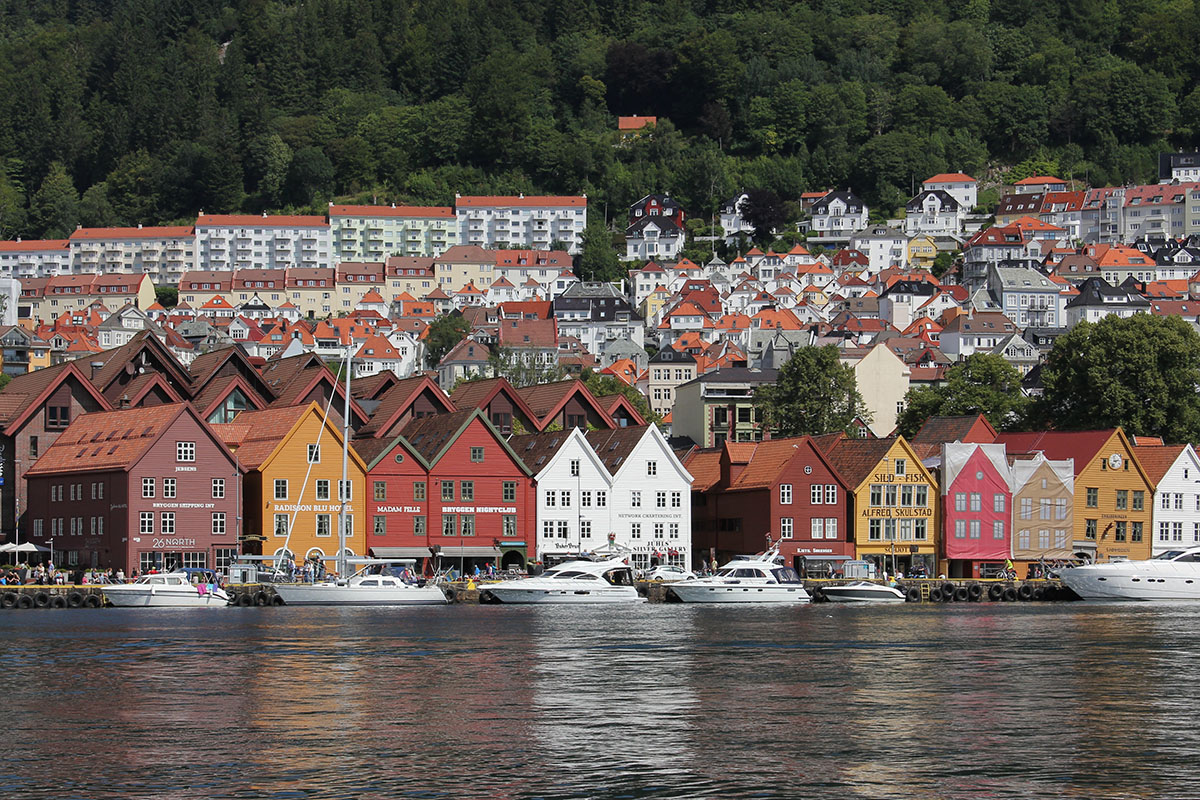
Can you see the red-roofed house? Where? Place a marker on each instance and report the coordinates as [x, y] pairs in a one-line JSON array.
[[373, 233], [231, 241], [165, 253], [962, 187], [529, 222]]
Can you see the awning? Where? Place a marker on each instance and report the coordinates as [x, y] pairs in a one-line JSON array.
[[450, 551], [400, 552], [826, 558]]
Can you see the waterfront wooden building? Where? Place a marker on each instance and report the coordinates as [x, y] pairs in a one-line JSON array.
[[449, 484], [1043, 509], [291, 494], [786, 489], [134, 489], [1112, 492], [976, 498], [894, 501]]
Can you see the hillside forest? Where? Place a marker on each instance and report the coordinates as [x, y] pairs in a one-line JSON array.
[[117, 112]]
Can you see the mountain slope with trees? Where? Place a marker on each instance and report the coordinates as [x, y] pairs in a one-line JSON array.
[[147, 111]]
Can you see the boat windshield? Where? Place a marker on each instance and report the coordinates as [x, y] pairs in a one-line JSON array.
[[786, 575], [621, 576], [570, 573], [1170, 555]]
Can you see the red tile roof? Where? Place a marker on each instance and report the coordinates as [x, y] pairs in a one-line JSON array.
[[391, 211], [950, 177], [107, 440], [522, 201], [167, 232], [262, 221], [1156, 460]]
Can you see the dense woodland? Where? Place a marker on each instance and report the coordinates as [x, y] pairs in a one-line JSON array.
[[127, 111]]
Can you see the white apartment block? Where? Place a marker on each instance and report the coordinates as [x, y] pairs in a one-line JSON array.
[[40, 258], [246, 241], [521, 222], [375, 233], [163, 253]]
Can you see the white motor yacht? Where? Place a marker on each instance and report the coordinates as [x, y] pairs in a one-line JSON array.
[[862, 592], [754, 579], [183, 588], [570, 582], [362, 590], [1173, 575]]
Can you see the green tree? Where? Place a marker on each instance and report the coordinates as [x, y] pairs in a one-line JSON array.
[[309, 177], [167, 296], [12, 208], [982, 384], [95, 209], [603, 385], [504, 362], [54, 210], [814, 393], [1140, 373], [764, 210], [597, 259], [441, 336]]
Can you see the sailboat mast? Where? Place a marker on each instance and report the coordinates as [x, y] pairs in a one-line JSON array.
[[344, 487]]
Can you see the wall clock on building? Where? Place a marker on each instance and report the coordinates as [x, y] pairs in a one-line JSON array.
[[1114, 461]]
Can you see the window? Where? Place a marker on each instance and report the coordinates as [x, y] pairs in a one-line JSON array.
[[185, 451], [380, 490], [874, 529], [324, 525], [449, 525], [218, 523], [1121, 529], [218, 488], [1135, 532], [167, 523], [901, 466], [1089, 531], [876, 495], [468, 524], [447, 490], [1026, 508], [998, 503], [508, 525], [785, 528], [574, 467], [601, 498], [345, 490], [146, 523], [676, 499], [314, 454], [168, 487], [1139, 500], [281, 525], [466, 490], [281, 489], [561, 528], [508, 491], [651, 468], [547, 529], [921, 530], [476, 455], [960, 529], [960, 501], [635, 499], [922, 496], [551, 498], [58, 416], [33, 447], [323, 489], [976, 501], [419, 526], [147, 487], [660, 499], [831, 527], [831, 494], [635, 530], [1179, 502], [674, 530], [998, 528], [816, 494], [1123, 499], [817, 528], [1164, 531], [419, 490], [1093, 497], [1166, 500]]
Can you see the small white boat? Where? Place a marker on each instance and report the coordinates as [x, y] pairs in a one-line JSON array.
[[183, 588], [362, 590], [757, 579], [1173, 575], [570, 582], [862, 592]]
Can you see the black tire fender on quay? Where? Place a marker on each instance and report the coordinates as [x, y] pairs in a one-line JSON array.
[[92, 601], [9, 600], [276, 600], [234, 597], [818, 595], [75, 599], [261, 598], [976, 592], [244, 599], [42, 599], [58, 601], [913, 595], [961, 594], [1010, 595], [24, 601], [995, 592], [1025, 592], [948, 588], [935, 595]]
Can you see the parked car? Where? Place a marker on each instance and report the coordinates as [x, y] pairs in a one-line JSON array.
[[669, 572]]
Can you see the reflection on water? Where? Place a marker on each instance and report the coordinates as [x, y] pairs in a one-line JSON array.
[[981, 701]]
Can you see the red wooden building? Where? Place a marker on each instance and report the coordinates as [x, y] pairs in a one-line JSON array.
[[782, 488], [976, 508], [449, 484], [134, 489]]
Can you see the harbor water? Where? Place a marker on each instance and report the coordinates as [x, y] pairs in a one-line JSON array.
[[823, 701]]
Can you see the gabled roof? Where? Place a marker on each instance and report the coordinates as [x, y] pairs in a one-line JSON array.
[[429, 438], [765, 460], [612, 402], [258, 435], [546, 400], [24, 394], [613, 447], [480, 393], [939, 430], [1083, 446], [855, 459], [398, 399], [705, 468], [1156, 460]]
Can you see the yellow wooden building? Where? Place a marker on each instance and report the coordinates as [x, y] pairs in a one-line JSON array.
[[291, 495], [1113, 494], [894, 502]]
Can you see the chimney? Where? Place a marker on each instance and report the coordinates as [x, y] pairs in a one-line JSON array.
[[139, 226], [124, 402], [96, 367]]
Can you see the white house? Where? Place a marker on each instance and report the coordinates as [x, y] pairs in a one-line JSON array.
[[41, 258], [164, 253], [515, 222], [732, 221], [372, 233], [653, 237], [884, 247], [836, 216], [1098, 299], [1175, 472], [958, 185], [246, 241], [934, 213], [619, 492]]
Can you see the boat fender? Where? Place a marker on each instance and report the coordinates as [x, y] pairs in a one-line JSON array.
[[935, 595], [1010, 594], [1025, 592], [818, 595], [58, 601], [75, 599], [913, 595], [961, 594], [234, 597], [244, 599], [948, 588], [9, 600], [976, 592], [1039, 593], [24, 601], [995, 592], [41, 600], [92, 601], [276, 600], [261, 599]]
